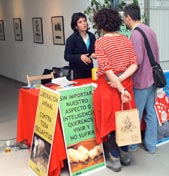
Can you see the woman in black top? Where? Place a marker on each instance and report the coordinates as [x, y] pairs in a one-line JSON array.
[[79, 49]]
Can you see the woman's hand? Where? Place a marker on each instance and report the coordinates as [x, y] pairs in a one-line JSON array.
[[85, 59], [93, 56], [113, 84], [125, 97]]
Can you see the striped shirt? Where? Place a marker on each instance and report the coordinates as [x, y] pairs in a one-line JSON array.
[[114, 53]]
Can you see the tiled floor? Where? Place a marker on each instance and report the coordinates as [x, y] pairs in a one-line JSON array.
[[15, 163]]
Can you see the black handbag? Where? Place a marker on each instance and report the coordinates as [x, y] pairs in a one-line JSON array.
[[158, 74], [45, 72], [61, 71], [58, 72]]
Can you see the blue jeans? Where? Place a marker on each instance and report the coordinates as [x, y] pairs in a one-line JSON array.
[[145, 100]]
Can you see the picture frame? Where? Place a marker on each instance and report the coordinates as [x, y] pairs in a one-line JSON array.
[[58, 30], [17, 29], [2, 31], [37, 30]]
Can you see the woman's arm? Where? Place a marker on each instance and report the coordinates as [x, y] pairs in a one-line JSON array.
[[75, 50], [130, 70], [115, 83], [69, 53]]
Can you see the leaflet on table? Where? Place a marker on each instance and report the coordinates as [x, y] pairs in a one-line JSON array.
[[63, 81]]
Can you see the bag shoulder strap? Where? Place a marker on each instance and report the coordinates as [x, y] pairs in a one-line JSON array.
[[149, 51]]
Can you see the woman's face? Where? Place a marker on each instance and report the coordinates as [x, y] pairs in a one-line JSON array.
[[82, 25]]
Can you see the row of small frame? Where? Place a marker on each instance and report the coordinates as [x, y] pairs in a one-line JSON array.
[[57, 30]]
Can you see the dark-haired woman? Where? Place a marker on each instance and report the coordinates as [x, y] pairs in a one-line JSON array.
[[79, 49], [116, 64]]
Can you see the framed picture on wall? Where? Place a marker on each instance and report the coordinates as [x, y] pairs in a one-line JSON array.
[[37, 30], [2, 32], [17, 29], [58, 30]]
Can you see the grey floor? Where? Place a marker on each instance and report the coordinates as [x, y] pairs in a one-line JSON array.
[[15, 163]]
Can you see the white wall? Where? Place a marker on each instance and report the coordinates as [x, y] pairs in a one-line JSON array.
[[159, 14], [18, 58], [26, 57]]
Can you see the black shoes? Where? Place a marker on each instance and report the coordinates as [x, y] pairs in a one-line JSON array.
[[115, 163], [124, 158]]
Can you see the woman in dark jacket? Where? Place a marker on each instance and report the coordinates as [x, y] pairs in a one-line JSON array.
[[79, 49]]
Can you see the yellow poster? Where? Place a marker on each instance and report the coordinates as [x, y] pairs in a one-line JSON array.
[[44, 128]]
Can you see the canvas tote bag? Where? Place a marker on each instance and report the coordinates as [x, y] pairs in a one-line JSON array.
[[127, 127]]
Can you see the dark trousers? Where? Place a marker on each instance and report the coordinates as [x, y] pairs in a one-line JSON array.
[[112, 147]]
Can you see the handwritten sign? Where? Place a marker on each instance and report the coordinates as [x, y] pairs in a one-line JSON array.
[[44, 127]]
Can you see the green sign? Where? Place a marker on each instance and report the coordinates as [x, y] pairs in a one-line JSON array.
[[76, 110]]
